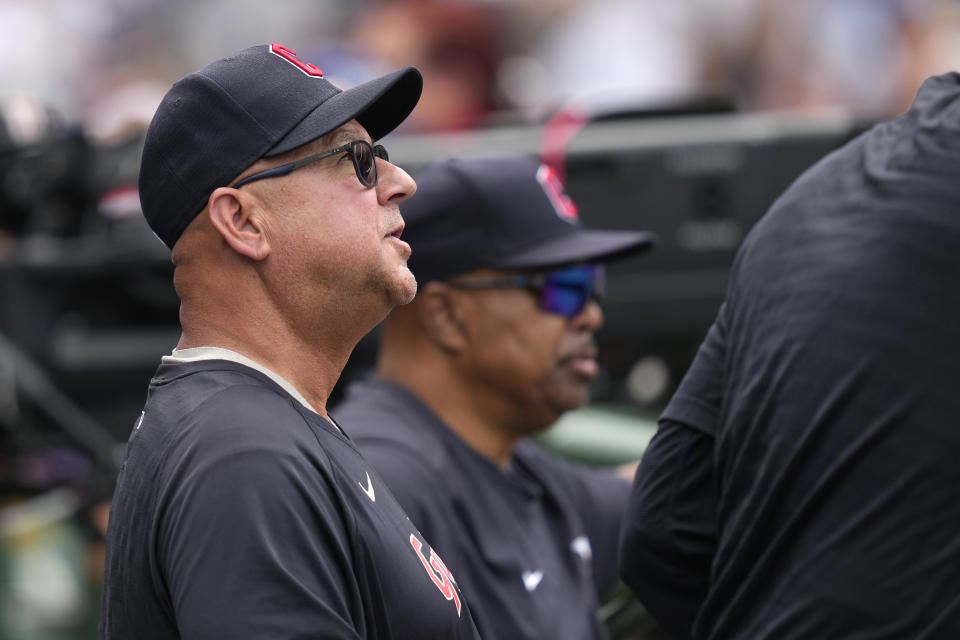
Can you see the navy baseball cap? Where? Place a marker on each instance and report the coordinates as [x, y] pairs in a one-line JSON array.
[[501, 212], [259, 102]]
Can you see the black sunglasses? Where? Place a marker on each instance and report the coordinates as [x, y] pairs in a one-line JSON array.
[[363, 154], [563, 291]]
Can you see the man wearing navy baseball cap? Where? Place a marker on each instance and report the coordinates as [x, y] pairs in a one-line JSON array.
[[243, 510], [496, 346]]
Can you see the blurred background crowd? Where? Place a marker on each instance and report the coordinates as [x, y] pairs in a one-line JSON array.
[[105, 62], [76, 76]]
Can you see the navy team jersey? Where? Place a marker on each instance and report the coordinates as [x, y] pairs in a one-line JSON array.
[[534, 546], [239, 513], [803, 481]]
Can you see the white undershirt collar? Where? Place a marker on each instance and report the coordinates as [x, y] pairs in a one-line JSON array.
[[196, 354]]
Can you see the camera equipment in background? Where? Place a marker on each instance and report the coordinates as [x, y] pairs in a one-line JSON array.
[[75, 264], [85, 289]]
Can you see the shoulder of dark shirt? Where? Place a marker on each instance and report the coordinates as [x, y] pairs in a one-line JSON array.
[[227, 405], [390, 423], [568, 475]]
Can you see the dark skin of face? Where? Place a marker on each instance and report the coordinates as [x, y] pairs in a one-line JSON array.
[[539, 363]]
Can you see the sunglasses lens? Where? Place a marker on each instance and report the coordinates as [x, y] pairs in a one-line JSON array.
[[567, 291], [365, 163], [565, 300]]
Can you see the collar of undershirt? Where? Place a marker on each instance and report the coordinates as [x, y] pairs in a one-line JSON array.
[[195, 354]]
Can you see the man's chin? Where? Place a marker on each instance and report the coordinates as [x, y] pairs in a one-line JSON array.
[[573, 398], [405, 289]]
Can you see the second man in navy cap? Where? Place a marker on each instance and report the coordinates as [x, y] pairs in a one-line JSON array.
[[497, 345]]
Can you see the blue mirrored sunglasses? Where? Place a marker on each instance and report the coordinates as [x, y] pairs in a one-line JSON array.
[[363, 154], [563, 291]]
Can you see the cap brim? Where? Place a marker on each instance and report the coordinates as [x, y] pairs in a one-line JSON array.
[[380, 105], [584, 246]]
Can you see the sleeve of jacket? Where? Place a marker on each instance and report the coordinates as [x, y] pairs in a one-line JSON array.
[[669, 532], [668, 538]]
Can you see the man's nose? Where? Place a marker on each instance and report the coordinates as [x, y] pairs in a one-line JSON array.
[[393, 183], [590, 317]]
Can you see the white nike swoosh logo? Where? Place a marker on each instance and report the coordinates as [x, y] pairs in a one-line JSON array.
[[581, 546], [531, 579], [368, 489]]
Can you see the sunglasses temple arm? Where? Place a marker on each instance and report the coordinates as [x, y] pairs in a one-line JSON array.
[[282, 170]]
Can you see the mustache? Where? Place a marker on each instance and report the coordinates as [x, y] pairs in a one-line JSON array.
[[396, 226], [584, 348]]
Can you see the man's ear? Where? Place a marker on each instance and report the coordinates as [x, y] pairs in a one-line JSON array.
[[442, 316], [238, 219]]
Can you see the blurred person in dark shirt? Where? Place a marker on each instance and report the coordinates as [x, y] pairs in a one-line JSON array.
[[802, 483]]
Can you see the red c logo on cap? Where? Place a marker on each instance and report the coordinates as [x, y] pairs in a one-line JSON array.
[[553, 187], [291, 57]]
